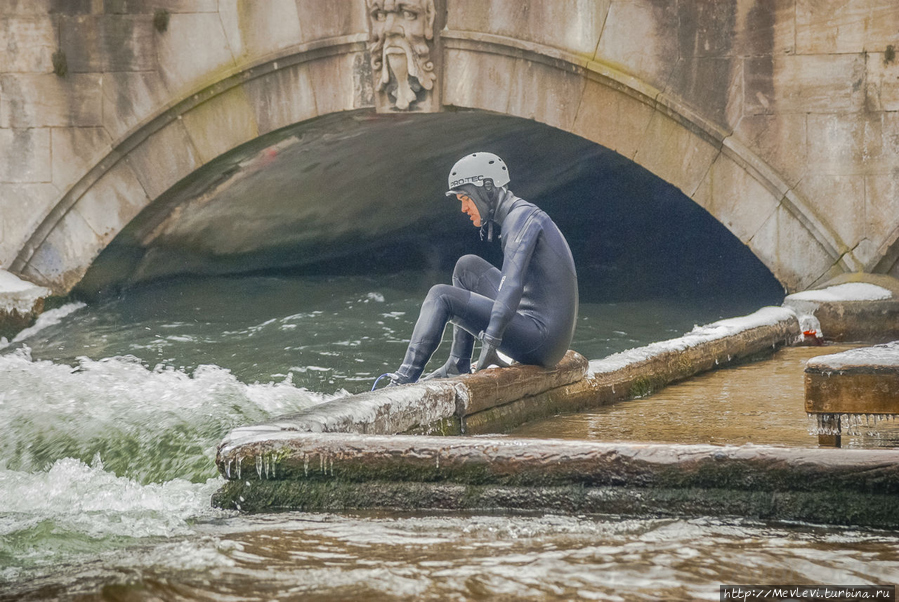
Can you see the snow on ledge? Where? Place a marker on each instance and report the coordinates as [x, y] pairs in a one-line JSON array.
[[17, 294], [767, 316], [879, 355], [851, 291]]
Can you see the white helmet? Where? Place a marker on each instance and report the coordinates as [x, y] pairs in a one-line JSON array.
[[477, 167]]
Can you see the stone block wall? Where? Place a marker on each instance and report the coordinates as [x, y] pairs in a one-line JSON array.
[[121, 72], [780, 117], [804, 91]]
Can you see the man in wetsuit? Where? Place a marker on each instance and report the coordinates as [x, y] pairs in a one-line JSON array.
[[527, 311]]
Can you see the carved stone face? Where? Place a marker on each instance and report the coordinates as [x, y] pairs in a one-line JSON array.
[[400, 32]]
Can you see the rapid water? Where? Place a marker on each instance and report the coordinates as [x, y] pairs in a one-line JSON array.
[[110, 414]]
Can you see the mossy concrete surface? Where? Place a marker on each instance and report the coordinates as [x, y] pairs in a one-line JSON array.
[[318, 472]]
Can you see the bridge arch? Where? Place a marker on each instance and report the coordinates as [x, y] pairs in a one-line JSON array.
[[489, 72]]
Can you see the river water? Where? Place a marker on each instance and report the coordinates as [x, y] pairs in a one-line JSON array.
[[110, 414], [759, 403]]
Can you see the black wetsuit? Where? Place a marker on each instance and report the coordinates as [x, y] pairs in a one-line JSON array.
[[530, 306]]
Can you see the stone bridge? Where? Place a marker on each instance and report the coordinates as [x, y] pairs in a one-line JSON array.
[[779, 117]]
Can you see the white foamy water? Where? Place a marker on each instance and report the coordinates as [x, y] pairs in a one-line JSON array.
[[73, 511], [48, 318], [109, 455], [151, 425]]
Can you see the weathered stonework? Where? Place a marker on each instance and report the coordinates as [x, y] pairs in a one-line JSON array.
[[402, 36], [20, 304], [740, 104], [850, 383]]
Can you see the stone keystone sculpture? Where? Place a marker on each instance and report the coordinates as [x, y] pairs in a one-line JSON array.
[[399, 45]]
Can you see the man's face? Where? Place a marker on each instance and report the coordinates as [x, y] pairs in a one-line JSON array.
[[470, 209]]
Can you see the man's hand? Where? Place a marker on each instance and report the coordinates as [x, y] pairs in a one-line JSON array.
[[489, 356]]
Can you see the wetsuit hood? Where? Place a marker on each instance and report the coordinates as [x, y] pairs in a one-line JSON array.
[[488, 204]]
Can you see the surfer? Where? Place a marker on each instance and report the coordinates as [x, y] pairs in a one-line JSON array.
[[527, 310]]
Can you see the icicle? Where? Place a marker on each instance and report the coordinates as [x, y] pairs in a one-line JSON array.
[[239, 460], [265, 461], [829, 424], [305, 464], [259, 467], [228, 468], [854, 424]]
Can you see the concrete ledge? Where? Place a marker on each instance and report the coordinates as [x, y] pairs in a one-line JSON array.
[[316, 472], [639, 372], [860, 381], [499, 386], [849, 308], [432, 407], [497, 400]]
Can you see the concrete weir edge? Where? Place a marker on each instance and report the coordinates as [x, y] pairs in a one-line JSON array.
[[359, 453], [497, 400], [340, 472]]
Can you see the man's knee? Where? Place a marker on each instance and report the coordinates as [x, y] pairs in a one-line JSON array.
[[467, 271], [438, 293]]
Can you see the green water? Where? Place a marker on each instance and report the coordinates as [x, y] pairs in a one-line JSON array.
[[110, 414]]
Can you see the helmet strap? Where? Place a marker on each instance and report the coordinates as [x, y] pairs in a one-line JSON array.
[[490, 193], [488, 226]]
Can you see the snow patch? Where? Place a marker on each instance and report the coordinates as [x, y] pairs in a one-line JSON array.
[[17, 294], [852, 291], [879, 355], [767, 316]]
